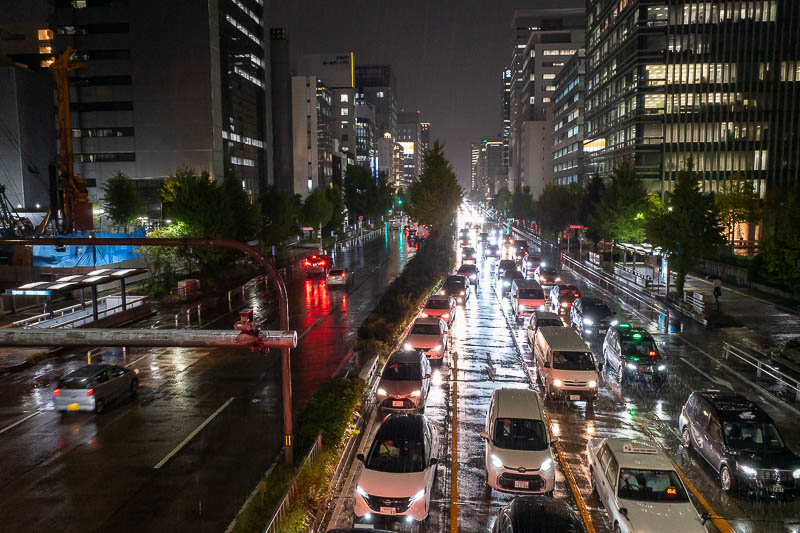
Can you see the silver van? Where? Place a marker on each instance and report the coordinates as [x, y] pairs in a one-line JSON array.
[[565, 365], [526, 296]]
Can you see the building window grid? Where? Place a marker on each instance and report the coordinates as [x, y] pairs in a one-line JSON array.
[[243, 29]]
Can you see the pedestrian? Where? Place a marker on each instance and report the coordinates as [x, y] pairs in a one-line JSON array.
[[717, 290]]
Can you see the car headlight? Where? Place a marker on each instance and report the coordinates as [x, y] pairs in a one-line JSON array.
[[547, 465], [558, 279], [416, 393], [614, 322], [437, 347], [424, 315], [662, 367], [564, 304], [630, 366], [496, 462], [506, 284], [592, 384], [407, 346], [796, 474], [416, 497], [588, 321], [557, 382], [747, 470], [461, 293], [361, 491], [381, 392]]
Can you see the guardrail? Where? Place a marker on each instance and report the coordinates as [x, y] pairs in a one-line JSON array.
[[762, 367], [132, 301], [283, 507], [700, 302]]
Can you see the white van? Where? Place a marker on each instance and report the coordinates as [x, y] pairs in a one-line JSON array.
[[565, 365], [526, 296]]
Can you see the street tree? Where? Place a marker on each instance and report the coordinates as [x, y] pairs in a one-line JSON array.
[[686, 226], [590, 195], [556, 208], [366, 194], [279, 211], [338, 211], [122, 200], [434, 198], [737, 202], [522, 202], [317, 210], [619, 214], [781, 249], [502, 201]]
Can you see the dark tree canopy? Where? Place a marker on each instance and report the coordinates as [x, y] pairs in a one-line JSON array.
[[122, 200], [434, 198]]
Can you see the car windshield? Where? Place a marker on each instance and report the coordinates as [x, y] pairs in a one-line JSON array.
[[529, 294], [520, 434], [454, 286], [425, 329], [547, 271], [639, 348], [73, 383], [597, 311], [396, 453], [437, 304], [573, 361], [651, 486], [336, 272], [549, 322], [408, 371], [752, 435], [468, 269]]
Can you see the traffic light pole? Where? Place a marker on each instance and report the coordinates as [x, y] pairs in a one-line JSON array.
[[272, 272]]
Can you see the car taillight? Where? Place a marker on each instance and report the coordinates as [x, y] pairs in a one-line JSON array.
[[651, 353], [306, 263], [322, 263], [57, 392], [90, 392], [344, 274]]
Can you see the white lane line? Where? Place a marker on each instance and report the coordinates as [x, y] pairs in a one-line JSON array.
[[712, 378], [18, 422], [193, 434], [137, 360]]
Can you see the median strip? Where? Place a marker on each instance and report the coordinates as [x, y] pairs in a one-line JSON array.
[[454, 453], [192, 435]]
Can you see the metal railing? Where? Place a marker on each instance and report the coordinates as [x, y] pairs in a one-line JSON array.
[[132, 301], [762, 366], [283, 508]]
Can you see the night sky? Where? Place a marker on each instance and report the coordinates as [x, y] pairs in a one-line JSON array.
[[447, 55]]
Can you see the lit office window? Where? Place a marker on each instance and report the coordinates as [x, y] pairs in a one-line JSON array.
[[345, 98], [345, 111]]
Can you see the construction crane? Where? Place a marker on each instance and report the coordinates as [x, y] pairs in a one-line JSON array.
[[72, 195]]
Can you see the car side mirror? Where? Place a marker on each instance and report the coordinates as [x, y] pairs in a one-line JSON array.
[[427, 376], [360, 457], [705, 517], [600, 366], [434, 461], [623, 511], [554, 439], [484, 435]]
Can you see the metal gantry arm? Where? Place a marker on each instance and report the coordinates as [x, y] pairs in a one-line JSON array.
[[272, 272]]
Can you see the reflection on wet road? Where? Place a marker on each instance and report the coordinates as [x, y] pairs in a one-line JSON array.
[[142, 464]]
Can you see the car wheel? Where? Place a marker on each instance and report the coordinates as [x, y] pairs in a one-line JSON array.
[[593, 481], [687, 439], [621, 373], [134, 387], [616, 528], [99, 406], [725, 479]]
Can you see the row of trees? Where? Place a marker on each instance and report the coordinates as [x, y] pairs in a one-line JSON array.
[[687, 222]]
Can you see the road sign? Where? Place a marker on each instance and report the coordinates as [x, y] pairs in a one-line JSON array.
[[307, 228], [360, 217]]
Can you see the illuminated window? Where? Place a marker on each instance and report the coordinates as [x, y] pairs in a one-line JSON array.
[[45, 49], [345, 111], [45, 35], [550, 88], [545, 100], [548, 76], [345, 98], [380, 94], [78, 4]]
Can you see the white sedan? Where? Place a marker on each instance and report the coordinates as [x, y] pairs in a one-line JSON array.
[[429, 336]]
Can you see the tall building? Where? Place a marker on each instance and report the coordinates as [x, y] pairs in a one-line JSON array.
[[376, 84], [313, 134], [390, 160], [366, 137], [474, 154], [566, 115], [409, 135], [505, 108], [544, 39], [280, 69], [185, 88], [337, 72], [491, 172], [715, 81], [425, 136]]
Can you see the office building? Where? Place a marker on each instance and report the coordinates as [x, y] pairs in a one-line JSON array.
[[390, 160], [566, 116], [492, 174], [505, 109], [336, 71], [409, 135], [544, 39], [474, 154], [714, 81], [376, 84], [366, 137], [313, 134], [425, 136], [187, 87], [280, 69]]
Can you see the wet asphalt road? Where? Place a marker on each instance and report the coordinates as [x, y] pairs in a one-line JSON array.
[[489, 357], [114, 471]]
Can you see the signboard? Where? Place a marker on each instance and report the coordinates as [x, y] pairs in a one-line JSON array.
[[662, 276], [28, 292], [361, 217]]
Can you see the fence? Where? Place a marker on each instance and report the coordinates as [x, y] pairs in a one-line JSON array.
[[763, 365], [358, 240], [106, 306], [283, 507]]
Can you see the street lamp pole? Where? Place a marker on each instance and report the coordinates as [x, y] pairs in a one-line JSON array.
[[272, 272]]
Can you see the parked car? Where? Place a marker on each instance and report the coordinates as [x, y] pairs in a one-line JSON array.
[[591, 317], [429, 336], [93, 387], [468, 255], [456, 286], [562, 296], [339, 277], [633, 353], [537, 514], [546, 275], [443, 307], [517, 443], [526, 297], [317, 265], [741, 443], [541, 319], [503, 266], [530, 263], [565, 365], [405, 382], [639, 487], [504, 282], [399, 468], [470, 272]]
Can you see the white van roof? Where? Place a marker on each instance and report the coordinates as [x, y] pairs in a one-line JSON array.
[[517, 403], [525, 284], [562, 339]]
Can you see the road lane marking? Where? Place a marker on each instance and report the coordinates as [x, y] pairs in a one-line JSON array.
[[454, 453], [193, 434], [137, 360], [712, 378], [18, 422], [721, 523]]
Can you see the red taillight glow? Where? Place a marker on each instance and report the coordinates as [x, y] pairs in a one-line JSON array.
[[306, 263], [344, 274], [57, 392], [322, 263], [90, 392], [652, 353]]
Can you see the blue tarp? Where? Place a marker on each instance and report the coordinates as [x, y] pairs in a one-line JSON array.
[[86, 255]]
